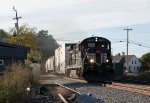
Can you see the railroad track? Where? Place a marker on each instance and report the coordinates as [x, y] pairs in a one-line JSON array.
[[145, 90], [68, 97], [131, 88], [96, 90], [57, 93], [132, 81]]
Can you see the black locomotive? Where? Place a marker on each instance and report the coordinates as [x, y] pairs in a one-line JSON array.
[[90, 60]]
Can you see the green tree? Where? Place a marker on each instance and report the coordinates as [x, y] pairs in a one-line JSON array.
[[27, 37], [145, 60], [46, 43], [3, 35]]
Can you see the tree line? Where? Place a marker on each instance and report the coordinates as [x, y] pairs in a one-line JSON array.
[[145, 61]]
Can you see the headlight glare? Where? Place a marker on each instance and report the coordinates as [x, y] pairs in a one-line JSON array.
[[91, 60], [107, 60]]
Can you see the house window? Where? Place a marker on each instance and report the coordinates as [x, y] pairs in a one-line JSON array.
[[132, 61], [135, 62], [1, 62]]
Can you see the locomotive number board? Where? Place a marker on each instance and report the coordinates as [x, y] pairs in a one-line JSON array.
[[94, 40]]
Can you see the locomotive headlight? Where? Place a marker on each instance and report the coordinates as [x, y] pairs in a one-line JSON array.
[[107, 60], [91, 60], [95, 39]]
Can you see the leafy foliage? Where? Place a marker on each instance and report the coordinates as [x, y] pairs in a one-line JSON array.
[[3, 35], [27, 37], [46, 43], [145, 60]]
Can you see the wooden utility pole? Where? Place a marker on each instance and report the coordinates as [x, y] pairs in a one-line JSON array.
[[127, 48]]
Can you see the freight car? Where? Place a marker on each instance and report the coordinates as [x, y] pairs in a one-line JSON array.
[[61, 55], [50, 64], [89, 59]]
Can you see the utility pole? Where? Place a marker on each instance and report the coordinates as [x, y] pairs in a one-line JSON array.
[[127, 48], [16, 18]]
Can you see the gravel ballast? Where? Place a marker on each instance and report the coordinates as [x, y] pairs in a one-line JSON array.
[[110, 95], [107, 95]]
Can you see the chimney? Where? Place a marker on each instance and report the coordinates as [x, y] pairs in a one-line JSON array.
[[123, 53], [118, 54]]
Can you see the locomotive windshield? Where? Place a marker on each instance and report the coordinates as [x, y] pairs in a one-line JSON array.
[[91, 50], [91, 45]]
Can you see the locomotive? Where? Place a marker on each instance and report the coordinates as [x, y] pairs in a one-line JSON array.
[[89, 59]]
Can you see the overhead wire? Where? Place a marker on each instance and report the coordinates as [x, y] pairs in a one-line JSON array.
[[132, 42]]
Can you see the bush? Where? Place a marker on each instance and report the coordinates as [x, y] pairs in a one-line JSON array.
[[145, 76], [14, 83], [7, 95]]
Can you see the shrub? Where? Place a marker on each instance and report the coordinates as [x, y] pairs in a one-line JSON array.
[[145, 76], [7, 94]]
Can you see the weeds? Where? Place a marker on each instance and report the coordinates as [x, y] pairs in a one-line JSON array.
[[14, 83]]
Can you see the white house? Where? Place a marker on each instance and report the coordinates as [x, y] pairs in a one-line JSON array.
[[134, 64]]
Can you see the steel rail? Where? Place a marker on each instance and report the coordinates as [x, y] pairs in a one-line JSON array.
[[130, 88], [69, 89]]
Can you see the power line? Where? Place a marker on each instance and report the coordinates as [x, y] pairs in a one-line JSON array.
[[139, 44], [118, 41], [131, 42]]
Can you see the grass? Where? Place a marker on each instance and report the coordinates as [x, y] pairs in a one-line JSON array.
[[13, 84], [143, 76]]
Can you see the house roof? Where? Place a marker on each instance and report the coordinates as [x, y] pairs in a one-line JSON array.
[[122, 58], [8, 51], [4, 44], [129, 57], [117, 58]]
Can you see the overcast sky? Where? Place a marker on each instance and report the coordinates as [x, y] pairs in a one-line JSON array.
[[74, 20]]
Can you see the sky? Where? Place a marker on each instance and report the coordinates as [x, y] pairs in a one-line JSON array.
[[75, 20]]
